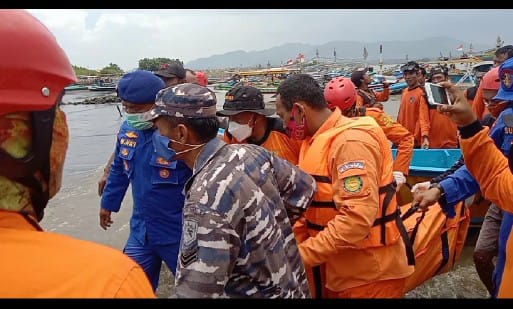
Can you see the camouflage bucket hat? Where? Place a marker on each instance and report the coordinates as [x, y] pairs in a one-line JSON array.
[[184, 101]]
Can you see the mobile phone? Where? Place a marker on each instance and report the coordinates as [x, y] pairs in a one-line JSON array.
[[437, 95]]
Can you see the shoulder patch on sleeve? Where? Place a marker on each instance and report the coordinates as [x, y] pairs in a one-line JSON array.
[[351, 165], [190, 231], [353, 184], [387, 120], [189, 247]]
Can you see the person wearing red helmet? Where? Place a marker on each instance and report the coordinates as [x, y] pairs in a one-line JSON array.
[[340, 92], [33, 143], [202, 78]]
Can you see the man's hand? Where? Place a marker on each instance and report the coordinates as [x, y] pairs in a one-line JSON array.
[[426, 198], [105, 220], [460, 112], [400, 180], [425, 143], [421, 186]]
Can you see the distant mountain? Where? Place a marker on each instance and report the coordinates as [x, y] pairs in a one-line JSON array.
[[427, 48]]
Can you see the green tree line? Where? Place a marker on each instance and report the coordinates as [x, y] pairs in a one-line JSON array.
[[149, 64]]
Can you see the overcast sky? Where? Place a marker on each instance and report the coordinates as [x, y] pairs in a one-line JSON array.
[[94, 38]]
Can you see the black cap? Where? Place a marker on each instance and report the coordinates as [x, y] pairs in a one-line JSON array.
[[410, 66], [244, 99], [173, 69], [357, 76], [438, 70]]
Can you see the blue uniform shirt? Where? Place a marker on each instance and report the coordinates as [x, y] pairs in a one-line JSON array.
[[156, 187], [462, 184]]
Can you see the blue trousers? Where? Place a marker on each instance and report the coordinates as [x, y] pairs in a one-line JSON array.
[[150, 257]]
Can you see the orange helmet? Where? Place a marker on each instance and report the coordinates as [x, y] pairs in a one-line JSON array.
[[34, 67], [340, 92]]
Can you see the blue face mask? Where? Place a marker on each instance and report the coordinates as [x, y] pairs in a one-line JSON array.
[[136, 121], [161, 144]]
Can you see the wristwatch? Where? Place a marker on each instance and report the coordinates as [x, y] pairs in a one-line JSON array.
[[439, 187]]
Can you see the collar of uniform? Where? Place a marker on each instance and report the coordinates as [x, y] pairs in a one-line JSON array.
[[330, 122], [15, 220], [210, 149]]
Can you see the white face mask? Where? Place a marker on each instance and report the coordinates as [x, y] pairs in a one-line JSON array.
[[239, 131]]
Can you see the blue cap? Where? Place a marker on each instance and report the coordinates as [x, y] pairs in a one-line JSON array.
[[506, 76], [139, 87]]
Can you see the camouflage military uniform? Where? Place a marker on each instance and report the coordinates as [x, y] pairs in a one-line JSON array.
[[237, 237]]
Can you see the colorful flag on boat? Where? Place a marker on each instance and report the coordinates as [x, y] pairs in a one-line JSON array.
[[460, 48], [290, 62]]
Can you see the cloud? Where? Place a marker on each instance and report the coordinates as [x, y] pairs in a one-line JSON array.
[[94, 38]]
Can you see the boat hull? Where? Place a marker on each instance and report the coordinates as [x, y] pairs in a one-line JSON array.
[[429, 163]]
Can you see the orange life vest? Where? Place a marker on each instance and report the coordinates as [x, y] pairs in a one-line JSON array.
[[386, 228]]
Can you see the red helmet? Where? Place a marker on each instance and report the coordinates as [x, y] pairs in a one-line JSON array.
[[202, 78], [491, 80], [340, 92], [34, 67]]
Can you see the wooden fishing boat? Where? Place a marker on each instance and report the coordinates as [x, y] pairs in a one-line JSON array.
[[429, 163]]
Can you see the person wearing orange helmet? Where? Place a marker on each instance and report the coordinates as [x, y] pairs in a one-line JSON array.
[[340, 92], [462, 184], [33, 143], [478, 106], [493, 174]]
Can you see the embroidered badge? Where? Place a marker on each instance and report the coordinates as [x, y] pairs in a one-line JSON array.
[[162, 161], [131, 134], [412, 99], [124, 152], [353, 184], [351, 165], [164, 173], [387, 120], [189, 248], [190, 229], [506, 78]]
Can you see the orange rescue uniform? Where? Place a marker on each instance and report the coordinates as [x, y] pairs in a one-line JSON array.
[[409, 109], [275, 140], [347, 231], [496, 182], [39, 264], [478, 105], [395, 133], [368, 99], [440, 130]]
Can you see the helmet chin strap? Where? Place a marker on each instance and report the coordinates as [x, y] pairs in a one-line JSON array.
[[24, 170]]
